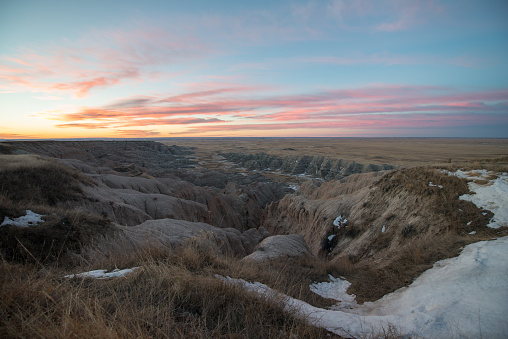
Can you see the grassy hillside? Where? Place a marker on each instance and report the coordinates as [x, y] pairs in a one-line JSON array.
[[173, 295]]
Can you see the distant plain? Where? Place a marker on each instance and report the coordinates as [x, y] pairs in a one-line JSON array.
[[405, 152]]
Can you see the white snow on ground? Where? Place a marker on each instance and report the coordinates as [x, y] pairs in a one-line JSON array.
[[336, 290], [492, 196], [383, 230], [30, 219], [459, 297], [432, 185], [340, 221], [102, 274]]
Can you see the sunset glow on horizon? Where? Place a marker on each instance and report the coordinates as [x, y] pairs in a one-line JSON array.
[[335, 68]]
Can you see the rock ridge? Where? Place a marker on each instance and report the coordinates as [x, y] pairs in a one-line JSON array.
[[314, 166]]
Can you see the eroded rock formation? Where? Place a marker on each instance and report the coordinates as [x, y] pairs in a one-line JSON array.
[[313, 166], [147, 190], [279, 246]]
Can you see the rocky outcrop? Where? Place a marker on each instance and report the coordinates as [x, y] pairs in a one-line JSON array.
[[170, 233], [314, 166], [144, 180], [280, 246], [384, 228], [130, 201], [312, 209], [373, 216]]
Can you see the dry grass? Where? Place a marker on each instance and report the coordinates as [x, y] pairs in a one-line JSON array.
[[428, 224], [291, 275], [405, 152], [496, 164], [29, 179], [174, 295], [58, 240], [43, 185]]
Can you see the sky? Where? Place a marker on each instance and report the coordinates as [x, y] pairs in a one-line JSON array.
[[329, 68]]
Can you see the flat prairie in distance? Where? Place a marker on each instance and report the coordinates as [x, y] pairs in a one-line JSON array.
[[406, 152]]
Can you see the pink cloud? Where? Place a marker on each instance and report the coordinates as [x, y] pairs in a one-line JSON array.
[[106, 59], [371, 124], [218, 107]]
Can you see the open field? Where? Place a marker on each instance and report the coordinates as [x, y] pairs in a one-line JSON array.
[[393, 151]]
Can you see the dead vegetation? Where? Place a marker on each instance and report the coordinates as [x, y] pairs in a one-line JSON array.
[[42, 185], [59, 239], [174, 294], [31, 179]]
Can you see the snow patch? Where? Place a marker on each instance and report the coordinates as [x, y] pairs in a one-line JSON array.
[[336, 290], [383, 230], [340, 221], [30, 219], [432, 185], [102, 274], [458, 297], [330, 237], [492, 195], [472, 232]]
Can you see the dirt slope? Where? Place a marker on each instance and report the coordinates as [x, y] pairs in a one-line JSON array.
[[388, 228]]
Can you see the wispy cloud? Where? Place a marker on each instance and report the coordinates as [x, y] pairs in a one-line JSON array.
[[101, 59], [139, 133], [4, 135], [385, 58], [220, 108], [386, 16]]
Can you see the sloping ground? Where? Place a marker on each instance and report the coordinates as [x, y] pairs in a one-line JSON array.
[[127, 206], [132, 200], [385, 230], [462, 297], [171, 234], [381, 230], [31, 184], [152, 157]]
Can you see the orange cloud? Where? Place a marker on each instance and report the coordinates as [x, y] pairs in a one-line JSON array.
[[137, 133], [220, 108]]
